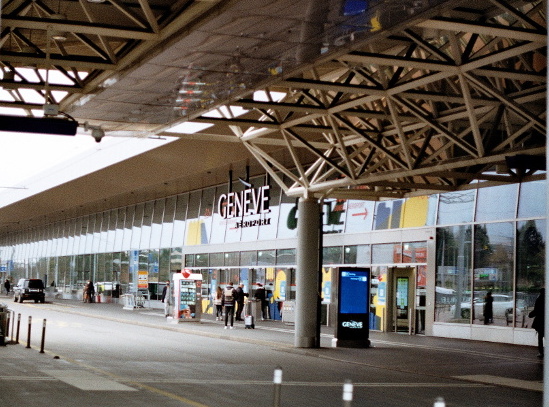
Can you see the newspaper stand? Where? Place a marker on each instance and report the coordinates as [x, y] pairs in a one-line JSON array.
[[187, 288]]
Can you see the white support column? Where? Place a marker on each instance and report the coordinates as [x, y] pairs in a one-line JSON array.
[[307, 274]]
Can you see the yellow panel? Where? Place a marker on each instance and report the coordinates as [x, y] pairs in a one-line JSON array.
[[414, 212], [193, 233]]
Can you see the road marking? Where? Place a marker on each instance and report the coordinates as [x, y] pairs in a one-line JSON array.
[[503, 381], [87, 381]]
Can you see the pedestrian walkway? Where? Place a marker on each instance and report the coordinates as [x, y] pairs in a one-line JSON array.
[[476, 362]]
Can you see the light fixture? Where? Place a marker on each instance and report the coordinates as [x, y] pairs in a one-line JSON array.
[[58, 35]]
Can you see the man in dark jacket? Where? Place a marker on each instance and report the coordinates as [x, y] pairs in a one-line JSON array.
[[261, 297], [240, 296]]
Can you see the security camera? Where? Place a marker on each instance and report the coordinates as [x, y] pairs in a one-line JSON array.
[[98, 134], [96, 131]]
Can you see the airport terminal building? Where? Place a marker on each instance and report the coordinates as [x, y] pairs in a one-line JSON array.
[[432, 258]]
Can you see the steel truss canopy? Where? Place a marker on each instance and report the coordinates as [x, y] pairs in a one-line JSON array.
[[386, 99]]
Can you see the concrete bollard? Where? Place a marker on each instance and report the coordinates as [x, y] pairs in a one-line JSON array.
[[277, 386], [439, 402], [347, 393]]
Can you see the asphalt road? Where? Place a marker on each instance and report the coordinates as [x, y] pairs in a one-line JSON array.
[[95, 357]]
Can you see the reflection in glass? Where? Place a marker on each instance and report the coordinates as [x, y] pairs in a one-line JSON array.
[[493, 272], [456, 207], [532, 199], [453, 277], [503, 197], [388, 253], [332, 255], [531, 237]]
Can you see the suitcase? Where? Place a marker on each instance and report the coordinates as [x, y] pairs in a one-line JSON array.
[[249, 322]]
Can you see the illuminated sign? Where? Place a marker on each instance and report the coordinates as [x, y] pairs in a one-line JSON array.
[[251, 201]]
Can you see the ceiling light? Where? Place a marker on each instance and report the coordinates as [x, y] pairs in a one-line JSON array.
[[96, 1], [58, 35]]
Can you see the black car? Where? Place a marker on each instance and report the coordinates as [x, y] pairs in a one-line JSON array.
[[29, 289]]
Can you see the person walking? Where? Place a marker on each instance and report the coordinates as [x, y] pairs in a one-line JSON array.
[[167, 298], [7, 286], [538, 313], [488, 311], [240, 297], [90, 291], [261, 296], [228, 301], [217, 300]]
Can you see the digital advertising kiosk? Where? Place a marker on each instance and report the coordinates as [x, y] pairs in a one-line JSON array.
[[353, 313], [187, 289]]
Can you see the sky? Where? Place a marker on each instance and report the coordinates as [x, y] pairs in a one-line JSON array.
[[31, 163]]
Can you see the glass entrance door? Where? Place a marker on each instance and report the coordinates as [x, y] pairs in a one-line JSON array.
[[403, 309]]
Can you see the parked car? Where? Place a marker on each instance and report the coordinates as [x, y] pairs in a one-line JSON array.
[[503, 306], [29, 289]]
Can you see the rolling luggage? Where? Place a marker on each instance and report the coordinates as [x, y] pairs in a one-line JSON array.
[[249, 322]]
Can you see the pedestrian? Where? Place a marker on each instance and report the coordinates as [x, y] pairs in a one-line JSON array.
[[90, 291], [261, 296], [240, 297], [7, 286], [217, 300], [538, 313], [167, 298], [229, 295], [488, 311], [85, 292]]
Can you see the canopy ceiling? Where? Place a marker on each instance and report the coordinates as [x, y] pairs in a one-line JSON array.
[[405, 98]]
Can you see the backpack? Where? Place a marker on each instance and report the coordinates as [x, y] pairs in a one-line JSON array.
[[228, 294]]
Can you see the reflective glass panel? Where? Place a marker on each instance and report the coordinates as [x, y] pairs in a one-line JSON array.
[[267, 229], [456, 207], [493, 274], [531, 238], [453, 274], [386, 253], [497, 203], [285, 256], [332, 255], [334, 215], [532, 199], [266, 257]]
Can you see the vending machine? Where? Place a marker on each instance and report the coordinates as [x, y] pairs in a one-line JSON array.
[[187, 293]]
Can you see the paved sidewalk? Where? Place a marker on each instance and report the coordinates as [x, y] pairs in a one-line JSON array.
[[479, 362]]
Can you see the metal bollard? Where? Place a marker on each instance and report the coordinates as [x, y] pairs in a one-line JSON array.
[[8, 326], [29, 333], [439, 402], [12, 325], [347, 393], [277, 386], [18, 326], [43, 336]]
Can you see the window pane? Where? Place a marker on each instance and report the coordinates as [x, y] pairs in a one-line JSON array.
[[453, 275], [503, 197], [386, 253], [217, 259], [201, 260], [248, 258], [286, 256], [266, 258], [414, 252], [180, 220], [531, 236], [456, 207], [532, 199], [332, 255], [232, 259], [494, 249]]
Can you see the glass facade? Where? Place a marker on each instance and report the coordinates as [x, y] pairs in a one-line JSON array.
[[479, 250]]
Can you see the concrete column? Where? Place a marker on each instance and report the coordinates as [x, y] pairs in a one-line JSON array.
[[307, 274]]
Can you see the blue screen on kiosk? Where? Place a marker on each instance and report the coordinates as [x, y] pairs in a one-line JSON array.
[[353, 297]]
